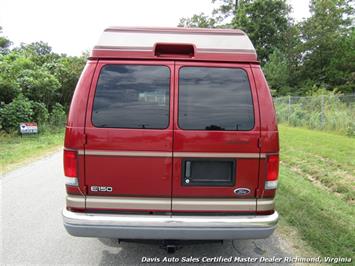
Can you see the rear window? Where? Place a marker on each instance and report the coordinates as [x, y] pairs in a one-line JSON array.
[[215, 99], [132, 96]]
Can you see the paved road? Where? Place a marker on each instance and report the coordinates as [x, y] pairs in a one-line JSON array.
[[32, 230]]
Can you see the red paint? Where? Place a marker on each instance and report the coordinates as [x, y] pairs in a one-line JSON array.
[[161, 176], [269, 136]]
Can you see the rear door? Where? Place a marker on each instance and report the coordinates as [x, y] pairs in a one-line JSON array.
[[128, 151], [216, 133]]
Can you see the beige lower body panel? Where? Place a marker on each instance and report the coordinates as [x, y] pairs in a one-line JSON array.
[[210, 204], [75, 201], [265, 204], [165, 204], [128, 203]]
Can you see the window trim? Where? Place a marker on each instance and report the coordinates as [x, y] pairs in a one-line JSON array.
[[204, 130], [136, 128]]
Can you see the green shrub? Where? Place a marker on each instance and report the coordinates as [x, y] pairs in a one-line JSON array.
[[12, 114], [40, 112], [57, 116], [323, 110]]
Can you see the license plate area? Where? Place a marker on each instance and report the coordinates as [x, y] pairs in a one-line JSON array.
[[208, 172]]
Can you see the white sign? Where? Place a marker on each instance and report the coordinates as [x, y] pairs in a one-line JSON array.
[[28, 128]]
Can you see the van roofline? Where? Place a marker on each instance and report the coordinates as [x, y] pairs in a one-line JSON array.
[[196, 44], [221, 58], [179, 30]]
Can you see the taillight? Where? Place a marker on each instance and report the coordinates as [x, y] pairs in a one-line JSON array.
[[272, 173], [70, 168]]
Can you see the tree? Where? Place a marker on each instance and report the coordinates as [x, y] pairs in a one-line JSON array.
[[198, 21], [277, 72], [328, 43], [39, 85], [226, 10], [11, 66], [4, 43], [266, 22], [36, 48], [39, 52], [36, 84], [341, 68], [12, 114], [67, 70]]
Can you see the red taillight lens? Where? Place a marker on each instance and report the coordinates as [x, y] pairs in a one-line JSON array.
[[70, 163], [272, 167]]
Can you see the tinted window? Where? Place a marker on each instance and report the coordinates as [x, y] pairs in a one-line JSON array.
[[215, 99], [132, 96]]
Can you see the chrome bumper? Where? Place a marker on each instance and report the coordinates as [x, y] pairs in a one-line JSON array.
[[169, 227]]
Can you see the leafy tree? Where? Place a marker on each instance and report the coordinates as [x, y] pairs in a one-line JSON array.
[[295, 56], [277, 72], [292, 51], [33, 81], [39, 85], [328, 42], [11, 66], [38, 52], [341, 68], [227, 9], [40, 112], [198, 21], [4, 43], [9, 89], [57, 116], [67, 70], [266, 22], [12, 114], [36, 48]]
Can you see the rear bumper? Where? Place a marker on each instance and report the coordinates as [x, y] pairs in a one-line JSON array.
[[169, 227]]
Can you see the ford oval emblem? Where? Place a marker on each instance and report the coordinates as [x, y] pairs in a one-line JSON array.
[[242, 191]]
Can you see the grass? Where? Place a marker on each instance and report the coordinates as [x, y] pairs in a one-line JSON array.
[[15, 151], [316, 193]]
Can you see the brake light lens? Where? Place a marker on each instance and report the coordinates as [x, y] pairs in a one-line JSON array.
[[272, 171], [174, 49], [70, 167]]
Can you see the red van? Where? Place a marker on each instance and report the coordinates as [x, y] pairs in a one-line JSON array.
[[171, 134]]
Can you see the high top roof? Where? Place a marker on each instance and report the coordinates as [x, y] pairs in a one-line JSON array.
[[202, 44]]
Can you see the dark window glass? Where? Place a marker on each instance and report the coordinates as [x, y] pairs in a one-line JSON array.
[[215, 99], [132, 96]]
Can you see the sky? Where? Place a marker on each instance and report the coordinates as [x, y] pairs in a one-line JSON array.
[[74, 26]]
